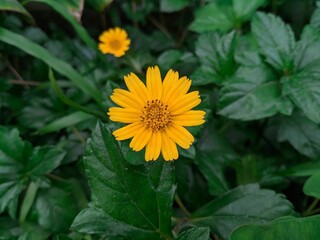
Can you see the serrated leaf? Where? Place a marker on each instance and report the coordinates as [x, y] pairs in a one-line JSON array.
[[248, 97], [213, 17], [205, 75], [168, 58], [201, 233], [303, 90], [315, 18], [243, 205], [301, 133], [173, 6], [281, 229], [275, 39], [244, 9], [145, 210]]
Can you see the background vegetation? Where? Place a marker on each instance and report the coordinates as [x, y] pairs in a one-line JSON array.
[[254, 170]]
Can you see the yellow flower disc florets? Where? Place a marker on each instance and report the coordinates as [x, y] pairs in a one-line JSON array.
[[155, 115]]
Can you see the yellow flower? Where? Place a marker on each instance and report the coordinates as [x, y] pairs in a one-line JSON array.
[[114, 41], [156, 113]]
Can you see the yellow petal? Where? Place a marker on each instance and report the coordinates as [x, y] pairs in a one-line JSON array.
[[153, 147], [125, 99], [178, 88], [136, 86], [180, 135], [185, 103], [140, 139], [124, 115], [154, 83], [128, 131], [169, 80], [190, 118], [169, 148]]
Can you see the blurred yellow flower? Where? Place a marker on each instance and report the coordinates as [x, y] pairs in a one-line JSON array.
[[156, 113], [114, 41]]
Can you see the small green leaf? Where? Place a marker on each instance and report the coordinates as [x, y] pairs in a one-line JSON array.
[[201, 233], [15, 6], [243, 205], [247, 97], [276, 40], [311, 186], [145, 210], [45, 159], [66, 121], [213, 17], [301, 133], [281, 229], [302, 89], [205, 75], [302, 170], [244, 10], [173, 6], [99, 5], [60, 66], [168, 58]]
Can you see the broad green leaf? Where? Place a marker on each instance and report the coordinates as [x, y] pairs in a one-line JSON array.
[[116, 199], [301, 133], [302, 89], [302, 170], [276, 40], [72, 13], [60, 66], [213, 17], [99, 5], [205, 75], [54, 209], [248, 97], [311, 186], [201, 233], [67, 121], [243, 205], [15, 6], [173, 6], [281, 229], [244, 9]]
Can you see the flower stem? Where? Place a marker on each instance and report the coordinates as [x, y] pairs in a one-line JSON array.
[[181, 205]]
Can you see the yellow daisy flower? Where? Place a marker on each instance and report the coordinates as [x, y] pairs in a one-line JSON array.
[[114, 41], [157, 113]]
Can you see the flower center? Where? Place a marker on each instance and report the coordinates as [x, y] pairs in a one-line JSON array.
[[115, 44], [155, 115]]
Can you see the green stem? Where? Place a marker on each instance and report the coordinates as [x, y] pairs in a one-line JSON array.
[[28, 201], [310, 210], [181, 205]]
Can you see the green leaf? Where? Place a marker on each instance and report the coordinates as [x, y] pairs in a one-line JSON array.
[[311, 186], [54, 209], [72, 13], [243, 205], [66, 121], [247, 97], [244, 10], [281, 229], [124, 208], [213, 17], [201, 233], [15, 6], [60, 66], [99, 5], [168, 58], [302, 170], [302, 89], [45, 159], [205, 75], [301, 133], [315, 18], [173, 6], [275, 39]]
